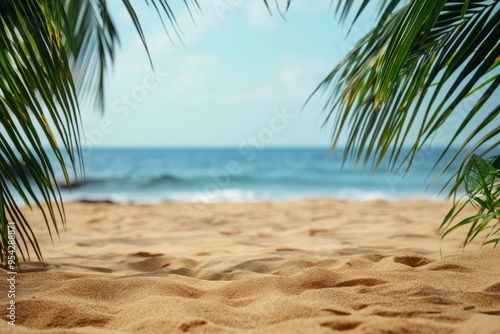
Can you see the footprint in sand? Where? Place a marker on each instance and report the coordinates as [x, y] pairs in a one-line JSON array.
[[314, 232], [450, 267], [287, 249], [491, 312], [412, 260], [186, 327], [360, 281], [90, 244], [358, 307], [341, 325], [336, 312], [229, 232], [146, 254], [495, 288], [395, 314], [149, 265], [203, 254], [374, 257]]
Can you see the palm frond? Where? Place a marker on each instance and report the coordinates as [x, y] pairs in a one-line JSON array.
[[36, 88], [54, 54], [410, 74], [482, 185]]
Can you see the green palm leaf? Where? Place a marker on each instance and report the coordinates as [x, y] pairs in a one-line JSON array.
[[428, 67], [402, 66], [482, 185], [431, 68], [54, 55]]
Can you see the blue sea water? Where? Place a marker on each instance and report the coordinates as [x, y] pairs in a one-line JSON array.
[[151, 175]]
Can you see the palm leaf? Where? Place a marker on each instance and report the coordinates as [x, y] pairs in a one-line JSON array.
[[36, 87], [399, 72], [426, 63], [54, 55], [482, 185]]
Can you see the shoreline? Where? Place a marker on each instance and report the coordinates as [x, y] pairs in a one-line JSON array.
[[109, 200]]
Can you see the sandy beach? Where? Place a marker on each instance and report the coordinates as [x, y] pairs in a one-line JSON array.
[[310, 266]]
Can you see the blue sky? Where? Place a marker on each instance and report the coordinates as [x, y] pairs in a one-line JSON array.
[[239, 74]]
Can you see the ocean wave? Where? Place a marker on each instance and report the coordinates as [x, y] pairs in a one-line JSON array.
[[165, 179], [245, 195], [135, 181]]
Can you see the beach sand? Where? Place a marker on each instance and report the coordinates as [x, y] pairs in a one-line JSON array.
[[310, 266]]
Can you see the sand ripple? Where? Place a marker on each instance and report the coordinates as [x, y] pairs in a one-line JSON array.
[[317, 266]]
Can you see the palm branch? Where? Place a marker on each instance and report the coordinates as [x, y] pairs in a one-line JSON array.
[[54, 54], [482, 185], [430, 67]]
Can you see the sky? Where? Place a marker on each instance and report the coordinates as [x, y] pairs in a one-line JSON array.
[[236, 75]]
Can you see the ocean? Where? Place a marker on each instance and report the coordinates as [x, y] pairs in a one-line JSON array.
[[153, 175]]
